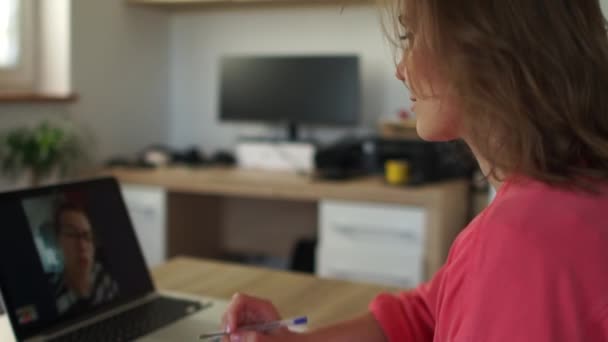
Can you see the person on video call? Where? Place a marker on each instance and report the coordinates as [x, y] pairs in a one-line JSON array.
[[84, 282]]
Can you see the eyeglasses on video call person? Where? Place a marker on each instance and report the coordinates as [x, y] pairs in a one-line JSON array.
[[524, 84], [85, 282]]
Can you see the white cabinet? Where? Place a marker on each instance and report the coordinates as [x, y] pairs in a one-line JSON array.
[[369, 242], [147, 209]]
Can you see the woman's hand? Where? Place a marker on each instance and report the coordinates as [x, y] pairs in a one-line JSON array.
[[244, 310], [252, 336]]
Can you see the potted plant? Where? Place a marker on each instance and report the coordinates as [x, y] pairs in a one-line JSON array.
[[39, 152]]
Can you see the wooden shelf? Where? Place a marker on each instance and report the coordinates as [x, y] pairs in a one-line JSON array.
[[214, 3], [36, 98]]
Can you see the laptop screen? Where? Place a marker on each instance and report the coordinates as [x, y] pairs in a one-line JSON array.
[[67, 252]]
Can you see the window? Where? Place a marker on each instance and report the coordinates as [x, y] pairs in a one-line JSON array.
[[16, 45], [9, 33]]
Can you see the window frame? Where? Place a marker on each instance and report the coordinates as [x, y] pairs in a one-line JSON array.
[[22, 77]]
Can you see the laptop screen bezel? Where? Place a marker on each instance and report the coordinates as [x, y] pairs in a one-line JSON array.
[[61, 323]]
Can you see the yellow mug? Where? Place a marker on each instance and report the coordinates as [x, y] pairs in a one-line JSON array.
[[397, 172]]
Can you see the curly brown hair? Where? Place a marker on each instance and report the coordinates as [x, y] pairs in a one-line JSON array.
[[532, 78]]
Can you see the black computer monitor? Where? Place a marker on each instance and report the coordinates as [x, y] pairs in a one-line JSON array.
[[292, 90]]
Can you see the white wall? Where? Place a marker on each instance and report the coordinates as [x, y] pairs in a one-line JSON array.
[[199, 38], [120, 70]]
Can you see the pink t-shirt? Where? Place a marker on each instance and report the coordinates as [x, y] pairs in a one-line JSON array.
[[533, 266]]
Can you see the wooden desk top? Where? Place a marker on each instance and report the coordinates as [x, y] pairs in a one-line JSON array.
[[323, 301], [279, 185]]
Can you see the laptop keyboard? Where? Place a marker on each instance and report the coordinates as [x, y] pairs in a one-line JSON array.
[[136, 322]]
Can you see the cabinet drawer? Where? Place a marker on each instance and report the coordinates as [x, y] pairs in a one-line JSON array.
[[404, 270], [146, 206], [141, 196], [353, 226]]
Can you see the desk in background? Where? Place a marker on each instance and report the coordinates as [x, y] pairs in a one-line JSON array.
[[367, 230]]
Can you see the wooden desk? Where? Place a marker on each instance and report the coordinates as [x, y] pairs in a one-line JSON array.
[[285, 186], [201, 200], [323, 301]]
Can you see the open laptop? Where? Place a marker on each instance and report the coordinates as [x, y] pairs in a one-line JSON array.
[[71, 269]]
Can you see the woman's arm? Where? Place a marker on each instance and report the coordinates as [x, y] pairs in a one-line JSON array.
[[364, 328], [406, 316]]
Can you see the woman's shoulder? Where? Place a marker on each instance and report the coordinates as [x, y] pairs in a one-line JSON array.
[[531, 220], [548, 221], [523, 201], [545, 238]]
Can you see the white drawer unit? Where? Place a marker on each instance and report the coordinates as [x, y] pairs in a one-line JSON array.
[[351, 225], [147, 209], [380, 243], [404, 270]]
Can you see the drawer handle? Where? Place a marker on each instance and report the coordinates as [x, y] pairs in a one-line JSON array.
[[370, 232], [371, 277]]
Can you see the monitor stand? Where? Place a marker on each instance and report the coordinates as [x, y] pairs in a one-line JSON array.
[[292, 132]]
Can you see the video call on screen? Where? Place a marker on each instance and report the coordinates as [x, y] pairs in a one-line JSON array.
[[66, 252]]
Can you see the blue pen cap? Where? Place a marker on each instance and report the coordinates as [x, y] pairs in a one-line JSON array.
[[300, 320]]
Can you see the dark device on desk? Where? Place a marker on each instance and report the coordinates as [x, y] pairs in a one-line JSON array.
[[429, 161], [121, 304]]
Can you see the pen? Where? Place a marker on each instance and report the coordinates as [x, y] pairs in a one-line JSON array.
[[262, 327]]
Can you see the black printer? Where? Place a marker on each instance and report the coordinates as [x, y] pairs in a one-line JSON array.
[[428, 161]]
